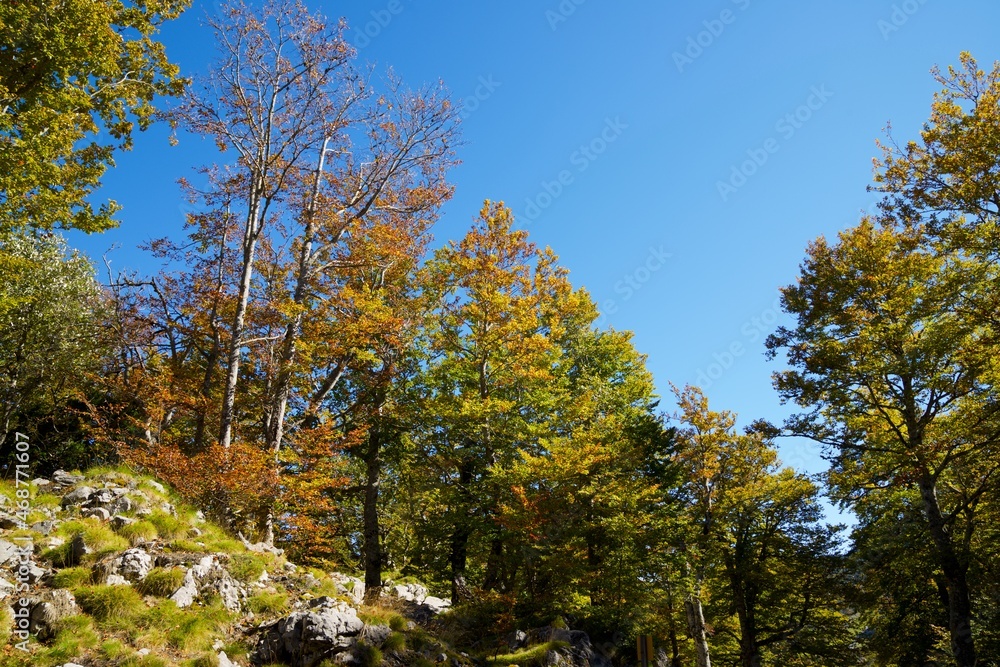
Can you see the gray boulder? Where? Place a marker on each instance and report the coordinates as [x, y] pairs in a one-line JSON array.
[[133, 564], [66, 479], [327, 629], [208, 575], [77, 496]]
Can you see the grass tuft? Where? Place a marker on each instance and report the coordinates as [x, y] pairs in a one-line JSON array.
[[161, 582]]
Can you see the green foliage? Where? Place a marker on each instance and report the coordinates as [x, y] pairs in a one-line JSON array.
[[368, 655], [100, 539], [50, 342], [75, 78], [533, 656], [168, 526], [246, 567]]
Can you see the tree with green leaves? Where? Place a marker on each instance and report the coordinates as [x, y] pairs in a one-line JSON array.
[[51, 310], [761, 565], [898, 382], [76, 78]]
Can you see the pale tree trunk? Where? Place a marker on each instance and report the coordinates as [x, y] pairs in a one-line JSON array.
[[696, 628], [250, 235]]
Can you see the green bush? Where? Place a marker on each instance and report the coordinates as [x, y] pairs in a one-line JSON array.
[[161, 582]]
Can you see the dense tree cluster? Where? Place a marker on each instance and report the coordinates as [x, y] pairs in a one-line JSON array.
[[305, 368]]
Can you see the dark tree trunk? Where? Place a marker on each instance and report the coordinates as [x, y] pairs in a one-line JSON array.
[[955, 577], [461, 532], [372, 533]]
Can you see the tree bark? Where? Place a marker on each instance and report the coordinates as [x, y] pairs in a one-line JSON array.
[[250, 235], [696, 628], [372, 530], [955, 576]]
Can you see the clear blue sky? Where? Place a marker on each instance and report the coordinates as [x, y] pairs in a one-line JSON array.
[[641, 109]]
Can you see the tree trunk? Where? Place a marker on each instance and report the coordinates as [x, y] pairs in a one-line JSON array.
[[250, 236], [955, 576], [372, 533], [461, 532], [696, 628]]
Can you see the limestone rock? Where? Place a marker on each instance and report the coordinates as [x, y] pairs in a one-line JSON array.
[[77, 496], [208, 575], [327, 629]]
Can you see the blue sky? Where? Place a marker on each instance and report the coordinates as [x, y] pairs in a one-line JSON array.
[[678, 157]]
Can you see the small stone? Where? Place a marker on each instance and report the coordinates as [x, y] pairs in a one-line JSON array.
[[118, 521], [77, 496], [96, 512], [156, 486], [43, 527], [78, 549], [65, 478], [9, 522], [116, 580]]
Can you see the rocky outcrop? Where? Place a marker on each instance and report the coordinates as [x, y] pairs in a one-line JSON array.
[[209, 576], [327, 629]]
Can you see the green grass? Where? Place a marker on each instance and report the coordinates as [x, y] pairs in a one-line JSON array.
[[168, 526], [529, 657], [138, 532], [6, 619], [100, 539], [368, 655], [161, 582], [268, 603], [246, 567], [115, 606], [375, 615], [76, 634], [72, 577], [395, 642], [192, 629]]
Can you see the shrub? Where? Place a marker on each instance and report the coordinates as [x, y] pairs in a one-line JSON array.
[[368, 655], [395, 642]]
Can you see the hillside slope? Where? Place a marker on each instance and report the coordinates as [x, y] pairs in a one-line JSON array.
[[112, 569]]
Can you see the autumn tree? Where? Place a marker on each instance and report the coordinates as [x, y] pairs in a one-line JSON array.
[[898, 384], [76, 78], [497, 303]]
